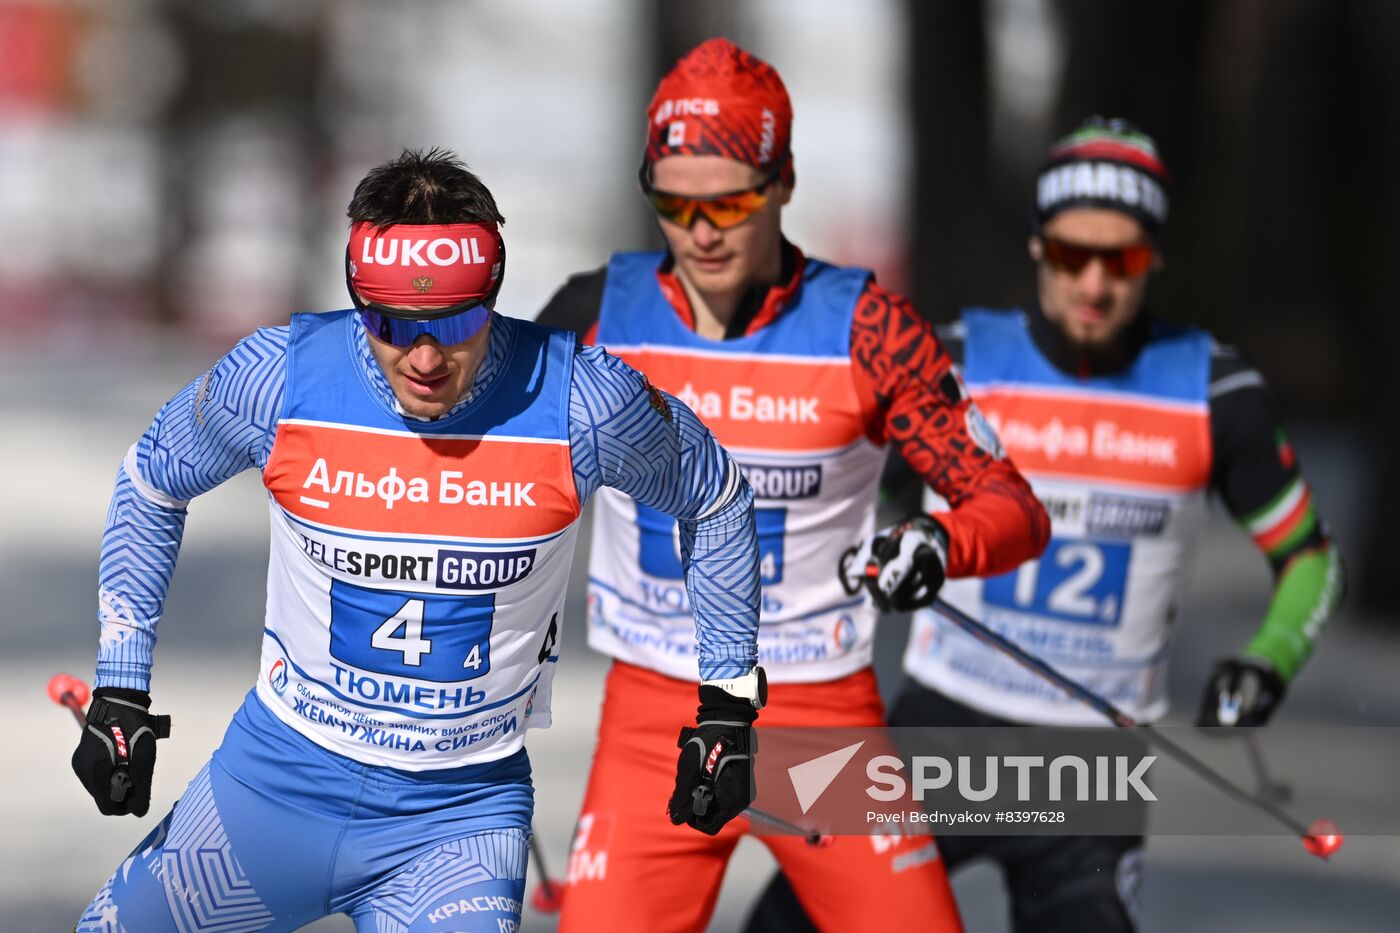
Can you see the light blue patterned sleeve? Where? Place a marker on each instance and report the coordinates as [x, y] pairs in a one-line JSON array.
[[648, 444], [219, 425]]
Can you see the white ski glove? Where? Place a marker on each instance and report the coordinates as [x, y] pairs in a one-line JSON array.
[[902, 566]]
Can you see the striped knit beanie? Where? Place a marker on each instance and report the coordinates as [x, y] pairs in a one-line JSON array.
[[1105, 163]]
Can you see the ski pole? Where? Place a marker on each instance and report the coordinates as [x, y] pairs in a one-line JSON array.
[[1268, 787], [548, 896], [71, 692], [67, 690], [809, 836], [1322, 838]]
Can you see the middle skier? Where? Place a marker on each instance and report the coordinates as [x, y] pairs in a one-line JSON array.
[[805, 371]]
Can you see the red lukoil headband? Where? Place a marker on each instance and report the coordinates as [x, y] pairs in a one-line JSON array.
[[425, 265]]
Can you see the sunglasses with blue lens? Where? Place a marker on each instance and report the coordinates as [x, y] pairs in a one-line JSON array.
[[404, 332]]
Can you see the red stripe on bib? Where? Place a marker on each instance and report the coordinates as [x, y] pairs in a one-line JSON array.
[[1097, 437], [418, 484], [760, 403]]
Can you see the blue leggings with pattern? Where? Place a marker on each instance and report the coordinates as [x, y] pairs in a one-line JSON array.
[[276, 832]]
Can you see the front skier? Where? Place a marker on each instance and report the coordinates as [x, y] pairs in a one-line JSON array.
[[426, 462]]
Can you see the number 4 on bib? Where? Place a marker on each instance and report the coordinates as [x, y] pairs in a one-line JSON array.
[[446, 639], [411, 643]]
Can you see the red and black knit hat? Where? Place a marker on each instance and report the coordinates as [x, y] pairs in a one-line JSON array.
[[1105, 163], [721, 100]]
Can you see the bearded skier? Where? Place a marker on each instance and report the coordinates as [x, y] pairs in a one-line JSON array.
[[1125, 423]]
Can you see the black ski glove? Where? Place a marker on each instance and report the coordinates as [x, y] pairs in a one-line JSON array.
[[116, 755], [715, 770], [1241, 692], [902, 566]]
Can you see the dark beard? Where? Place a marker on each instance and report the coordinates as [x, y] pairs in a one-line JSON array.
[[1090, 357]]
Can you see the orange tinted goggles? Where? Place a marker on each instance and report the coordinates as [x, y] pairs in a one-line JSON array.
[[1127, 262], [721, 210]]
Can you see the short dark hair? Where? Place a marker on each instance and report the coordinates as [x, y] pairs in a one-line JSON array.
[[417, 187]]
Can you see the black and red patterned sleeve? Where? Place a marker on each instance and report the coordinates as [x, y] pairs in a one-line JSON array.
[[914, 400]]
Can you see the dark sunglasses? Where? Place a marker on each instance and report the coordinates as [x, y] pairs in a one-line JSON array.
[[402, 332], [1126, 262], [721, 210]]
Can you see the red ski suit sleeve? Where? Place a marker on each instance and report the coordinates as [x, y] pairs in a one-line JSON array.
[[914, 400]]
